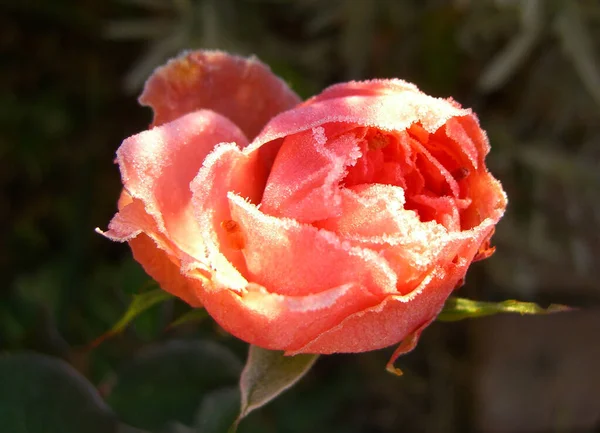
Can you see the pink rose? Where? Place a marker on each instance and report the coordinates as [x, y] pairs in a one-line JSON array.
[[340, 224]]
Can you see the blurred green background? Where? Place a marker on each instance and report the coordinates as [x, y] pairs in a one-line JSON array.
[[69, 76]]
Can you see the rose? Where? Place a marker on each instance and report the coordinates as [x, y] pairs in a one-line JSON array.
[[342, 226]]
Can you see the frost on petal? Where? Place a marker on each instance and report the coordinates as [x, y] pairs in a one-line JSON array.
[[159, 257], [227, 169], [155, 214], [241, 89], [280, 322], [305, 177], [158, 165], [488, 199], [388, 111], [373, 217], [399, 316], [369, 88], [295, 259]]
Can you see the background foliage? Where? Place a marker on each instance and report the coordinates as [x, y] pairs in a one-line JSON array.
[[70, 73]]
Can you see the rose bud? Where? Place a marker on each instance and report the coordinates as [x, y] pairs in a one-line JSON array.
[[340, 224]]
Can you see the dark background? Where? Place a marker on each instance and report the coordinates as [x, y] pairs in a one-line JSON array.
[[70, 73]]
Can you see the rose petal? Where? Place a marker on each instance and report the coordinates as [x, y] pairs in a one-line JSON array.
[[369, 88], [304, 181], [488, 199], [159, 265], [157, 167], [278, 322], [373, 217], [388, 111], [296, 259], [398, 316], [226, 169], [158, 256], [243, 90], [472, 140]]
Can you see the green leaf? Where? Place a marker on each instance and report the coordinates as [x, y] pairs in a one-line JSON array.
[[266, 375], [166, 383], [461, 308], [138, 305], [41, 394], [193, 316], [218, 410]]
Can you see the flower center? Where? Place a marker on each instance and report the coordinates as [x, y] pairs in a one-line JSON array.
[[431, 182]]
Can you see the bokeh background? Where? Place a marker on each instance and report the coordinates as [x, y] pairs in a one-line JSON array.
[[69, 77]]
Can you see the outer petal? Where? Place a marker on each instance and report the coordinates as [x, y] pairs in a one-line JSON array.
[[155, 214], [157, 167], [368, 88], [243, 90], [162, 268], [281, 322], [159, 257], [390, 111], [399, 316]]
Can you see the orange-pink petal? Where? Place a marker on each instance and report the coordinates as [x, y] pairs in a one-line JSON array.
[[227, 169], [373, 217], [241, 89], [294, 259], [166, 272], [157, 167], [304, 181], [399, 316], [278, 322]]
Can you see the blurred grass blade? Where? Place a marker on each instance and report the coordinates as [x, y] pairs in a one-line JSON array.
[[461, 308], [138, 305], [578, 45], [266, 375], [508, 61], [193, 316]]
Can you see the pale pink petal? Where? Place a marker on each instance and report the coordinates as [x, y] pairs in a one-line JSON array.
[[158, 165], [304, 181], [399, 316], [290, 258], [226, 169], [241, 89]]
